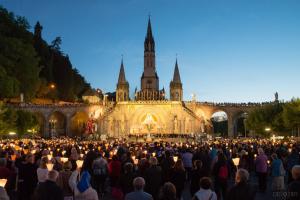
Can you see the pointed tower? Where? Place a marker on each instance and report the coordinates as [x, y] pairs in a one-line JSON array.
[[149, 79], [122, 93], [38, 30], [176, 91]]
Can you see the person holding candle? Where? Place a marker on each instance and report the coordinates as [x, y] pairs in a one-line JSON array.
[[3, 193], [178, 177], [82, 189], [100, 174], [196, 174], [127, 178], [63, 180], [27, 177], [278, 173], [221, 174], [261, 167], [153, 177], [242, 189], [42, 171]]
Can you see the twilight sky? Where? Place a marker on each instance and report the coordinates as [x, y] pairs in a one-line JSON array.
[[228, 51]]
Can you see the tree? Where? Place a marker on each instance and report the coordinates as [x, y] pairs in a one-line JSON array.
[[25, 121], [17, 56], [7, 119], [291, 115], [267, 116]]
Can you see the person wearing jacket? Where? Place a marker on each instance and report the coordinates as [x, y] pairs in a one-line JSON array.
[[277, 172], [205, 191], [261, 166], [242, 189], [49, 190], [293, 189], [82, 189], [153, 177]]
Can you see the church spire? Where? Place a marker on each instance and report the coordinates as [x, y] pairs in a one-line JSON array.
[[149, 40], [122, 78], [176, 76]]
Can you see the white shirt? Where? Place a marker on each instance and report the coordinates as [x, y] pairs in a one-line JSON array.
[[42, 174], [206, 194]]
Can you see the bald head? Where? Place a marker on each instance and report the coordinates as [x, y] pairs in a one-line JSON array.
[[138, 183], [296, 172]]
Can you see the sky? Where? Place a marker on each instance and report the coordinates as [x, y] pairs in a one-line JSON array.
[[227, 51]]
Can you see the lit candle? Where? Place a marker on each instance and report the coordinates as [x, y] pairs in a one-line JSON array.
[[255, 155], [153, 154], [236, 161], [175, 158], [79, 163], [13, 157], [3, 182], [290, 150], [49, 166], [268, 162], [49, 156], [133, 158], [136, 161], [64, 159]]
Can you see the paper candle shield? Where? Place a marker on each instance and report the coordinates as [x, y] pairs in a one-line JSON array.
[[3, 182], [79, 163]]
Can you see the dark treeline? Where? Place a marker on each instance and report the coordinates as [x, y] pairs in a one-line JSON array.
[[29, 65]]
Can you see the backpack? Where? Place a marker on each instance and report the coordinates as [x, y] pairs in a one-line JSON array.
[[223, 172]]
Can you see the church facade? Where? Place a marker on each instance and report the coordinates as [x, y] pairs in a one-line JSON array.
[[150, 112]]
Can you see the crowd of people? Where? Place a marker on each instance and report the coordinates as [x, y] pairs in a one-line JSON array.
[[66, 168]]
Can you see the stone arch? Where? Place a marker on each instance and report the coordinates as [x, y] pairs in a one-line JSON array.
[[42, 123], [239, 128], [57, 123], [78, 122], [219, 122]]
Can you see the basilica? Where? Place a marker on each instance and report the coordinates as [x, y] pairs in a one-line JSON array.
[[150, 112]]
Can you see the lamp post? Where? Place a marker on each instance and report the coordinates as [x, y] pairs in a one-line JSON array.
[[52, 88]]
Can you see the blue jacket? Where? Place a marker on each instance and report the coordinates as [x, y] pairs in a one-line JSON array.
[[277, 168]]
